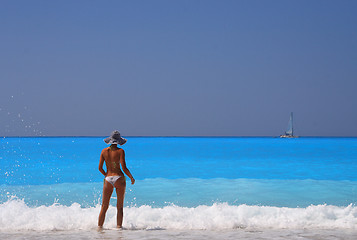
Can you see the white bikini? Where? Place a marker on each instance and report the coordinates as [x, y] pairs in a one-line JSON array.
[[112, 179]]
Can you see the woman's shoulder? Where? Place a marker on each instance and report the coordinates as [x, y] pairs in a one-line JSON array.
[[105, 149]]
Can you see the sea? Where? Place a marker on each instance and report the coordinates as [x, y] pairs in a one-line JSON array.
[[186, 188]]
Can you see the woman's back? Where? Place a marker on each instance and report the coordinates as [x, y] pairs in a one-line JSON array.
[[112, 160]]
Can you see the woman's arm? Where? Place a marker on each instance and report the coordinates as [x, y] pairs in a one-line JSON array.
[[125, 169], [101, 162]]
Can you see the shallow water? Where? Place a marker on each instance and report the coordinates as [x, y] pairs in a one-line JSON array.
[[248, 234]]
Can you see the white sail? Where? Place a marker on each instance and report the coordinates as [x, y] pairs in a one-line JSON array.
[[290, 130]]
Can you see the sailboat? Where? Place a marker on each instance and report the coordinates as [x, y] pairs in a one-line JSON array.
[[289, 133]]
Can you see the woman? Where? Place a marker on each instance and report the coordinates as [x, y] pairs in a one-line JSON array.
[[114, 177]]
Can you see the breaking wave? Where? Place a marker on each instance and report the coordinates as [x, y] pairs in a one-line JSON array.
[[16, 215]]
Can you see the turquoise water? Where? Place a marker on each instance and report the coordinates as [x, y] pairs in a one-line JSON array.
[[24, 159], [182, 183]]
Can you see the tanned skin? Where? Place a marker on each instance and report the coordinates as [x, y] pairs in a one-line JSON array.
[[113, 158]]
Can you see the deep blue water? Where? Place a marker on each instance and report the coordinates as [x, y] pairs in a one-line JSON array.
[[185, 171], [36, 161]]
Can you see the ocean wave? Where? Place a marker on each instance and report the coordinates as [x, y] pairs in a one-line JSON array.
[[16, 215]]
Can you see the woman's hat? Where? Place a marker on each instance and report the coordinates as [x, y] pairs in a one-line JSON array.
[[115, 138]]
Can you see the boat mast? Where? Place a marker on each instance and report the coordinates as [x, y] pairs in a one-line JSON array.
[[292, 124]]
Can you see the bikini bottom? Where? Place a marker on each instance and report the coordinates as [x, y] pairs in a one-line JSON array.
[[112, 179]]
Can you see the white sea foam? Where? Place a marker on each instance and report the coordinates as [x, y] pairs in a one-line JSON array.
[[16, 215]]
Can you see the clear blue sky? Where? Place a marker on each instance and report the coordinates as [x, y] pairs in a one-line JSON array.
[[178, 68]]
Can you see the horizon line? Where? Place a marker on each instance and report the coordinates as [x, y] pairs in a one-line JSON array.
[[171, 136]]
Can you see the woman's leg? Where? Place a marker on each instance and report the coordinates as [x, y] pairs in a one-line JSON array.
[[120, 185], [107, 193]]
